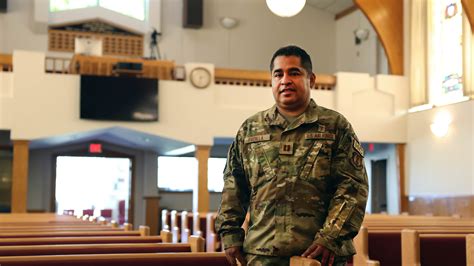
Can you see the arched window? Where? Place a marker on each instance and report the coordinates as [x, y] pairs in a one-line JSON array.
[[137, 9], [446, 52], [440, 60]]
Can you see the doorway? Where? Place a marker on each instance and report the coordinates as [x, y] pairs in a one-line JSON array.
[[98, 186], [379, 185]]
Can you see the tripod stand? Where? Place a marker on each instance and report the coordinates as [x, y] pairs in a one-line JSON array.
[[154, 48]]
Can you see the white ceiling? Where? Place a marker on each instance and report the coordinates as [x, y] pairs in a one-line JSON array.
[[331, 6]]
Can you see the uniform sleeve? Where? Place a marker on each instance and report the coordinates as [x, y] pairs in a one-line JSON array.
[[235, 199], [347, 207]]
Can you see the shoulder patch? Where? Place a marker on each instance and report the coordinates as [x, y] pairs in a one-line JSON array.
[[319, 135], [257, 138], [357, 147]]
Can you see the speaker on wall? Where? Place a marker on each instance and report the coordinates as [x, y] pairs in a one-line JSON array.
[[192, 14], [3, 6]]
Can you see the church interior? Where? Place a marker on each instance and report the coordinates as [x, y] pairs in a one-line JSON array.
[[116, 117]]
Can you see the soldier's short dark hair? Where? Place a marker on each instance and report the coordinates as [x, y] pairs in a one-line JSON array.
[[293, 50]]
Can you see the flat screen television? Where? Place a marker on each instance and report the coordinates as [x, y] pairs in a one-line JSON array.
[[119, 98]]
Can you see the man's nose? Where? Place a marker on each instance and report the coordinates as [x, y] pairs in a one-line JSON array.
[[285, 80]]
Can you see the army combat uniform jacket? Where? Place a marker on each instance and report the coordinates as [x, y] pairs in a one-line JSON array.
[[301, 182]]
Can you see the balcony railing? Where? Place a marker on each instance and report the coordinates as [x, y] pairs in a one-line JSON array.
[[107, 66]]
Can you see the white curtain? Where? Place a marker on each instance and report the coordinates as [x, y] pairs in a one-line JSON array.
[[468, 51], [419, 52]]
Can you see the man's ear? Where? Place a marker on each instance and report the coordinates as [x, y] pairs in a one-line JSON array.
[[312, 80]]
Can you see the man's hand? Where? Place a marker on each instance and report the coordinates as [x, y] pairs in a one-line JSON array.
[[315, 250], [234, 254]]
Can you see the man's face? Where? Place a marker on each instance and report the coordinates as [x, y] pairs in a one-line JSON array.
[[291, 84]]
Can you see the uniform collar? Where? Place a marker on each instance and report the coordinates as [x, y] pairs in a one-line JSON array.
[[274, 118]]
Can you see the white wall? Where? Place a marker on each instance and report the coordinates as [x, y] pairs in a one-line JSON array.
[[441, 166], [50, 105], [248, 46], [360, 58]]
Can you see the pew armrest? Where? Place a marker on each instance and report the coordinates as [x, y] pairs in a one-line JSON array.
[[302, 261], [166, 236], [373, 263], [470, 249], [197, 244]]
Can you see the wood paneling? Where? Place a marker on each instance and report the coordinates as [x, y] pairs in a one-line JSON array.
[[152, 212], [261, 78], [104, 66], [386, 16], [112, 44], [201, 193], [402, 198], [20, 175], [6, 62], [468, 7], [442, 205]]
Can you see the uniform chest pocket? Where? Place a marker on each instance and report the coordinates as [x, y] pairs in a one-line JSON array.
[[259, 168], [317, 166]]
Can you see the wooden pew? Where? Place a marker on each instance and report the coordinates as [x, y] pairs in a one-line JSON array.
[[433, 249], [165, 220], [78, 240], [361, 244], [212, 240], [470, 249], [186, 230], [145, 259], [196, 244]]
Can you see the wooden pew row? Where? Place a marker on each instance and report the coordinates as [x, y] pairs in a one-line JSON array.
[[386, 246], [196, 245], [146, 259], [361, 244], [78, 240], [433, 249]]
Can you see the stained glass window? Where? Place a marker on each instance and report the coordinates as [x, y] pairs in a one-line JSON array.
[[447, 54], [136, 9]]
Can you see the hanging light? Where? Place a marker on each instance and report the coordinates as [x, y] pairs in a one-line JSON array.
[[286, 8]]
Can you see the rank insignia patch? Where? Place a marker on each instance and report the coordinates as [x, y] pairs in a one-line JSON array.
[[286, 148]]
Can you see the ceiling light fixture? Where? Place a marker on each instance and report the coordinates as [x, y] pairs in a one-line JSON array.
[[228, 22], [286, 8]]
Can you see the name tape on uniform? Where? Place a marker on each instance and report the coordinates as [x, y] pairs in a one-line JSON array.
[[318, 135], [257, 138]]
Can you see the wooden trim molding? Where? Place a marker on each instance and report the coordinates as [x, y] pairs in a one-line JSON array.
[[386, 16], [20, 175], [201, 192], [442, 205], [402, 198], [152, 212], [468, 8]]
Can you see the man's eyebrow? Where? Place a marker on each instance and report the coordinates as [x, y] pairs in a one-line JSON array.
[[295, 69], [277, 70]]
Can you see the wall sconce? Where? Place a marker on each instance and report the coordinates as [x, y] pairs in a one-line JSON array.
[[440, 125], [361, 35], [286, 8], [228, 22]]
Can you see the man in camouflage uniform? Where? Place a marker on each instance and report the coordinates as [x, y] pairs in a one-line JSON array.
[[298, 169]]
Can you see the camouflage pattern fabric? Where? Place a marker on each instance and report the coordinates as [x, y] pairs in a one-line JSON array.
[[302, 182]]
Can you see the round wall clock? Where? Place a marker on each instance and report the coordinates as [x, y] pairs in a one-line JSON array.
[[200, 77]]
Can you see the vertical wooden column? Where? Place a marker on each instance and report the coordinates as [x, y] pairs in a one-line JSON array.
[[200, 192], [403, 198], [20, 175], [152, 205]]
